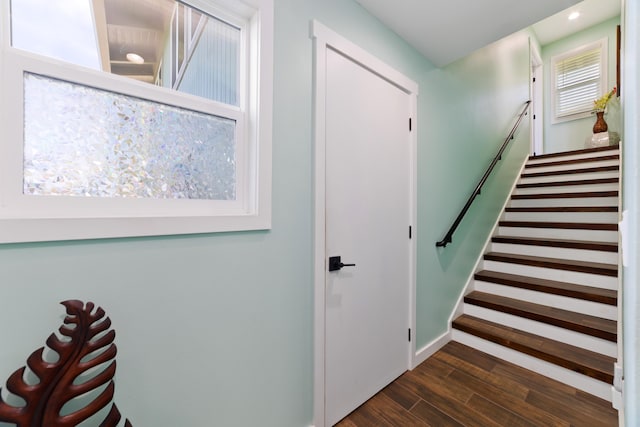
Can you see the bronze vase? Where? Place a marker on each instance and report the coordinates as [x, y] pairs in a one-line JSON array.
[[600, 125]]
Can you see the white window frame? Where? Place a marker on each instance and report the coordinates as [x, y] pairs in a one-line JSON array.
[[46, 218], [602, 44]]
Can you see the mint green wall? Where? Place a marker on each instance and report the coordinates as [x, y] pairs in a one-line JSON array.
[[217, 329], [571, 135], [467, 110], [212, 330], [631, 206]]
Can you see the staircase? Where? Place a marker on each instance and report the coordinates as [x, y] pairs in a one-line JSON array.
[[545, 295]]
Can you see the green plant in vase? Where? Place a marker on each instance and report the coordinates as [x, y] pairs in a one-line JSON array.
[[599, 107]]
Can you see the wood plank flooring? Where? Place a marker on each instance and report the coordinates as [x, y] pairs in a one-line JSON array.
[[460, 386]]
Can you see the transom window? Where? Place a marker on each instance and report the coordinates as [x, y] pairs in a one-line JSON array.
[[579, 77], [134, 117]]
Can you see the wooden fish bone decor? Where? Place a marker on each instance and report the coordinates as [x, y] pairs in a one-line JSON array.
[[88, 334]]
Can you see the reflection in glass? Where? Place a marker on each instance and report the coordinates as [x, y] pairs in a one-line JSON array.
[[181, 48], [81, 141], [57, 29]]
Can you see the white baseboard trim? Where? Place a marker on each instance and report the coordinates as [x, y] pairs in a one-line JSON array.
[[428, 350]]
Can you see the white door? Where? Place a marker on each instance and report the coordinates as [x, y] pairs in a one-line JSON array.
[[368, 213]]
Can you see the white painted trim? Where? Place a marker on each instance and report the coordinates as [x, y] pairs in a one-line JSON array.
[[413, 250], [362, 57], [536, 95], [323, 39], [617, 397], [429, 349], [25, 219], [319, 126]]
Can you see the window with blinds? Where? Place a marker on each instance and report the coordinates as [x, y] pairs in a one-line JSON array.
[[579, 78]]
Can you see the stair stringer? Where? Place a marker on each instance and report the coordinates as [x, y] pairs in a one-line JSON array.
[[616, 388]]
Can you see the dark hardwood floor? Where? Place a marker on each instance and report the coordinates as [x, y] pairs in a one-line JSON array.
[[460, 386]]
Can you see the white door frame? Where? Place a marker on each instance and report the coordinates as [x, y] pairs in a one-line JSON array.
[[323, 39], [536, 96]]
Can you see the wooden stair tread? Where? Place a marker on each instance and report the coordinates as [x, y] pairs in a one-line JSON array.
[[572, 290], [577, 359], [563, 225], [558, 243], [560, 264], [582, 194], [578, 322], [570, 183], [574, 152], [563, 209], [596, 169], [572, 161]]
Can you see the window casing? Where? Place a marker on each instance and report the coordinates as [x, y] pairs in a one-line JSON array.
[[579, 77], [29, 214]]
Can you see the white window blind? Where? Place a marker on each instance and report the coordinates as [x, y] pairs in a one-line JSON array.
[[578, 80]]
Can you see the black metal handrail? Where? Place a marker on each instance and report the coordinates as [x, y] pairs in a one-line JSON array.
[[448, 237]]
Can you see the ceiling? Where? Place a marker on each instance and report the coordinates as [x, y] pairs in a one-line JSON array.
[[447, 30], [591, 12], [132, 26], [442, 30]]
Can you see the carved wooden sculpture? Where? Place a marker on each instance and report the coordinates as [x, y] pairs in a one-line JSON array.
[[89, 334]]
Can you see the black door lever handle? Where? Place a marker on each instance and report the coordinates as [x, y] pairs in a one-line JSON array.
[[335, 263]]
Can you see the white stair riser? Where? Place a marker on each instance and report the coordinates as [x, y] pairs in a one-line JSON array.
[[560, 253], [576, 339], [591, 308], [574, 379], [577, 201], [570, 177], [595, 154], [579, 278], [586, 217], [560, 233], [567, 189], [573, 166]]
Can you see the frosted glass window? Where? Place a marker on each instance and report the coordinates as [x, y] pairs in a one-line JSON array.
[[117, 111], [85, 142]]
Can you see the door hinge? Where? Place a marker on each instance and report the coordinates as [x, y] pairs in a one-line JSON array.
[[409, 124], [409, 334], [409, 231], [534, 79], [534, 117]]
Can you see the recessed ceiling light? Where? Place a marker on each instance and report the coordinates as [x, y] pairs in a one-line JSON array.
[[135, 58], [574, 15]]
